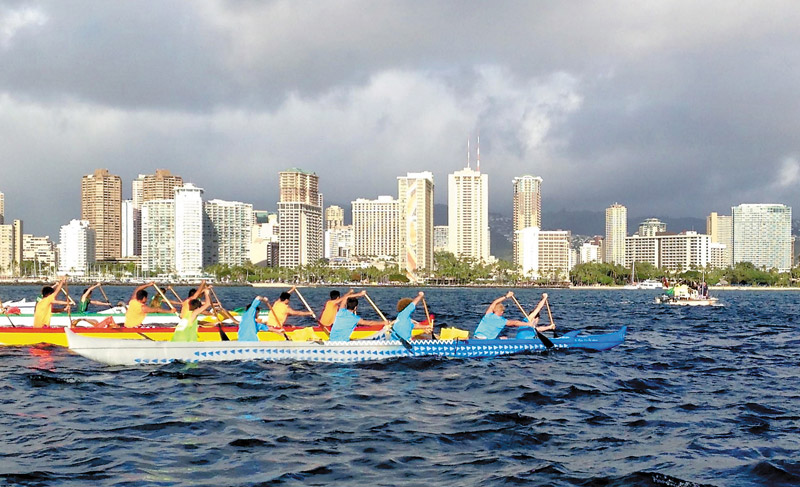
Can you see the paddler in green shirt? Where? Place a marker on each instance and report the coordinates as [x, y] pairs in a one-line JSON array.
[[186, 331]]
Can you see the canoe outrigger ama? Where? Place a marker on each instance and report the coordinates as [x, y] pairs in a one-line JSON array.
[[140, 352]]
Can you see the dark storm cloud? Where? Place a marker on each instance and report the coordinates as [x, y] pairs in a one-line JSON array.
[[667, 107]]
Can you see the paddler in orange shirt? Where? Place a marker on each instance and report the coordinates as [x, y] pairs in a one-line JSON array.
[[137, 307], [328, 315], [44, 308], [281, 310]]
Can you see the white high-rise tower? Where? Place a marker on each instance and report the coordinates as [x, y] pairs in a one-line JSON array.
[[188, 230], [468, 212]]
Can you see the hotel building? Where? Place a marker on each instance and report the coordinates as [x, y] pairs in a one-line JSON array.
[[226, 232], [189, 230], [720, 229], [101, 202], [76, 248], [468, 214], [762, 235], [415, 196], [616, 232], [527, 208], [300, 217], [376, 228]]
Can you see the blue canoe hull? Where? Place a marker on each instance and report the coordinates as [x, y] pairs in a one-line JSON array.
[[134, 352]]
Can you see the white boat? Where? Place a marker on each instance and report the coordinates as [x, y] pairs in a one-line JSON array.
[[651, 284], [683, 296], [23, 305]]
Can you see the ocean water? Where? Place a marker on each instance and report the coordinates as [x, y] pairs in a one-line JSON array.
[[695, 396]]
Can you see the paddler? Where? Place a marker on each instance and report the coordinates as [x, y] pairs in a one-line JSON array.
[[86, 300], [250, 325], [191, 295], [347, 319], [493, 322], [281, 310], [44, 308], [186, 330], [404, 325], [332, 306], [137, 307]]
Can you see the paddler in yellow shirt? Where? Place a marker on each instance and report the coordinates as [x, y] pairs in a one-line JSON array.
[[281, 310], [44, 308], [137, 307]]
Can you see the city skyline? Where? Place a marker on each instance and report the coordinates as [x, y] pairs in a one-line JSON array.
[[676, 109]]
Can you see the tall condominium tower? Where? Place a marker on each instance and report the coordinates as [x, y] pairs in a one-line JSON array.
[[18, 239], [137, 200], [158, 236], [76, 248], [527, 211], [616, 231], [128, 228], [2, 208], [226, 232], [334, 217], [189, 230], [468, 214], [415, 195], [101, 206], [6, 250], [720, 229], [300, 218], [376, 227], [762, 235], [159, 186]]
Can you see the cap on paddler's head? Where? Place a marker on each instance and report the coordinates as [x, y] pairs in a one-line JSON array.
[[401, 305]]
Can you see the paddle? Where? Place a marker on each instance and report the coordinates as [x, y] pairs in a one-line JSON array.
[[70, 302], [427, 316], [545, 341], [103, 292], [305, 303], [550, 314], [403, 341], [227, 314]]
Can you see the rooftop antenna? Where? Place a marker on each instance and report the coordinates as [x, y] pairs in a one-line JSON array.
[[479, 152], [467, 152]]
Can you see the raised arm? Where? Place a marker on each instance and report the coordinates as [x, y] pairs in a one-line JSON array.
[[497, 301], [143, 286]]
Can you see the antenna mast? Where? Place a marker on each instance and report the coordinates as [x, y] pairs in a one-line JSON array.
[[467, 152]]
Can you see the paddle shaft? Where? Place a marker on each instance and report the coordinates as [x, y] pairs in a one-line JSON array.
[[104, 294], [545, 341], [406, 344], [305, 303], [550, 314], [280, 325]]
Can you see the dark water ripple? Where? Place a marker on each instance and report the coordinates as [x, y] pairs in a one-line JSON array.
[[694, 397]]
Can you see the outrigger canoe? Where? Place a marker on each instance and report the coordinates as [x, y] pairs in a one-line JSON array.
[[25, 336], [138, 352]]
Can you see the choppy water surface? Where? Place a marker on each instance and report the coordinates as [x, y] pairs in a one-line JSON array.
[[694, 396]]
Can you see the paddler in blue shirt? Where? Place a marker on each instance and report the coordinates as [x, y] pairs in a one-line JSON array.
[[250, 325], [347, 319], [404, 325], [493, 321]]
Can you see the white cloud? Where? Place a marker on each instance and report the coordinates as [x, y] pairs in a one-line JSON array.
[[788, 174], [12, 21]]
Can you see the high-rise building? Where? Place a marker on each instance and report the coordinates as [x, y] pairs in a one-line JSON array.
[[127, 228], [468, 214], [2, 208], [226, 233], [137, 198], [681, 252], [415, 197], [101, 202], [527, 210], [76, 248], [18, 236], [651, 227], [339, 242], [441, 237], [189, 230], [300, 218], [616, 231], [264, 236], [590, 252], [544, 254], [334, 217], [720, 229], [762, 235], [41, 252], [158, 236], [6, 250], [159, 186], [376, 228]]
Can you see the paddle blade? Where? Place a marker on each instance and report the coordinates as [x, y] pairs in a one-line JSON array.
[[545, 341], [222, 335]]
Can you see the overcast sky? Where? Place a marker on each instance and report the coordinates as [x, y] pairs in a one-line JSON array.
[[670, 108]]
